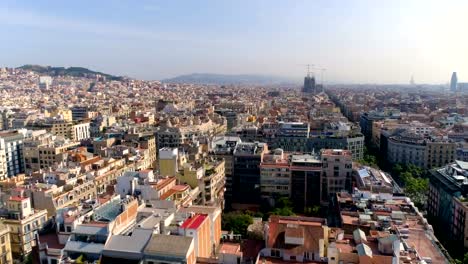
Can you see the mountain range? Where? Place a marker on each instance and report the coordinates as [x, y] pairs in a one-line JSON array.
[[62, 71], [226, 79]]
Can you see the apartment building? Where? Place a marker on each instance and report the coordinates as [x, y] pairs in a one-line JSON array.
[[23, 222], [306, 179], [168, 161], [46, 150], [446, 204], [275, 176], [246, 178], [292, 136], [214, 182], [337, 172], [423, 151], [198, 227], [223, 148], [144, 140], [75, 131], [11, 153], [5, 245]]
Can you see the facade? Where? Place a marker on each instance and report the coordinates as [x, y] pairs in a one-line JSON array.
[[5, 245], [352, 142], [62, 113], [337, 172], [297, 177], [79, 112], [75, 131], [24, 222], [422, 151], [308, 180], [275, 176], [246, 178], [144, 141], [46, 150], [440, 153], [214, 182], [11, 153], [223, 148], [168, 161], [306, 175], [195, 130], [462, 152], [292, 136], [56, 198], [198, 227], [367, 120], [407, 149], [448, 189], [460, 221]]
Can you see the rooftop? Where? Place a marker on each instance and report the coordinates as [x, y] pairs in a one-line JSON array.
[[168, 245], [134, 243], [194, 222]]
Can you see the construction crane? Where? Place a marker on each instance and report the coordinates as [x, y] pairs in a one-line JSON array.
[[321, 74], [309, 66]]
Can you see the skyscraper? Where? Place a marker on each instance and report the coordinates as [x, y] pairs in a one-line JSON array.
[[453, 82]]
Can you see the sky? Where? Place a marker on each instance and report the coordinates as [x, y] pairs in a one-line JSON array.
[[356, 41]]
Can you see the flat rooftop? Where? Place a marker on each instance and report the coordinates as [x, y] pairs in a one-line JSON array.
[[194, 222]]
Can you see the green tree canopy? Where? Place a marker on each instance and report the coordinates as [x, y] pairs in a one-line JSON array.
[[237, 222]]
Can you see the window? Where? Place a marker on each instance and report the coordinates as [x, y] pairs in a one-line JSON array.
[[2, 239], [275, 253]]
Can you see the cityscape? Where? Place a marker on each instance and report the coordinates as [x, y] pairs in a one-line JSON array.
[[302, 165]]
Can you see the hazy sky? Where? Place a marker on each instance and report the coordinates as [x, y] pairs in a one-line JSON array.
[[357, 41]]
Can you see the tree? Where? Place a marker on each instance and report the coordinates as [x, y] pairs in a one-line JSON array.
[[236, 222], [397, 169], [313, 211], [462, 261], [369, 159], [415, 187], [284, 207]]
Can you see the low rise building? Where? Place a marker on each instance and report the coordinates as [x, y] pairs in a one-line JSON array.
[[170, 248], [24, 222], [46, 150]]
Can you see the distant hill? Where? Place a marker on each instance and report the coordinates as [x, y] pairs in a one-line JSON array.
[[224, 79], [62, 71]]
